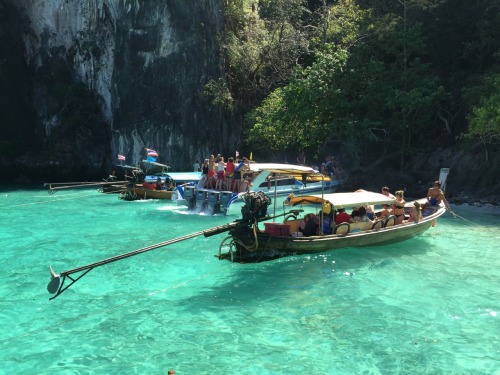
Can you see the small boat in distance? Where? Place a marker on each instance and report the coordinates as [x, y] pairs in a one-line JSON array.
[[275, 180]]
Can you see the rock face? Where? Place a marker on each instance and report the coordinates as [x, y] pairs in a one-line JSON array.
[[116, 76]]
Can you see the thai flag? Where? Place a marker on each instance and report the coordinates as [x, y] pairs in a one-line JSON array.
[[121, 157], [152, 153]]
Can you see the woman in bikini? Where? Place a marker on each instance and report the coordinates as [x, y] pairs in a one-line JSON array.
[[398, 208]]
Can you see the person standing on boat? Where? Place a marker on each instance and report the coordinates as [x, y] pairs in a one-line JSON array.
[[387, 193], [301, 158], [238, 174], [398, 208], [196, 166], [230, 167], [221, 174], [211, 172]]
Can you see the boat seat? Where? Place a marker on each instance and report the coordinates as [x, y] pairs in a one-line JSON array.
[[342, 228], [378, 224], [360, 226], [390, 221]]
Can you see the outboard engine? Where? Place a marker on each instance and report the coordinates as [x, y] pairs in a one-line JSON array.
[[256, 204]]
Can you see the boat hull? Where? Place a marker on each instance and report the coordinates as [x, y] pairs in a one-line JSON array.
[[249, 244], [143, 193]]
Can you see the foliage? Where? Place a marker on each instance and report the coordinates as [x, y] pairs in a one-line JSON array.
[[260, 46], [219, 94], [358, 90], [484, 119]]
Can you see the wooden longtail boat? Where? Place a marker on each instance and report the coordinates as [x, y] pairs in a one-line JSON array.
[[251, 241], [143, 192]]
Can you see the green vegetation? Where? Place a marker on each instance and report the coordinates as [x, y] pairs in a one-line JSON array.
[[397, 76]]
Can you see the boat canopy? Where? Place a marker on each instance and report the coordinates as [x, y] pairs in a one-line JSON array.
[[181, 177], [156, 164], [126, 166], [342, 200], [281, 168]]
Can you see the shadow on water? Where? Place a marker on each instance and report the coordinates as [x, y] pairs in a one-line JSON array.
[[258, 282]]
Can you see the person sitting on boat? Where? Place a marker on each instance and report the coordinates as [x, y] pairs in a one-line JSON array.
[[398, 208], [362, 215], [356, 216], [159, 185], [384, 212], [312, 225], [369, 212], [327, 224], [343, 217], [415, 214], [435, 196]]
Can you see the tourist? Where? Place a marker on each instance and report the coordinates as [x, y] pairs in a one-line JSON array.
[[312, 225], [384, 213], [211, 172], [398, 208], [327, 224], [159, 185], [221, 174], [435, 196], [343, 217], [196, 166], [301, 158], [416, 213], [387, 193], [230, 166], [238, 175]]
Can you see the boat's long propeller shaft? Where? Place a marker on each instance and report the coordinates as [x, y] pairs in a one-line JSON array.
[[56, 284]]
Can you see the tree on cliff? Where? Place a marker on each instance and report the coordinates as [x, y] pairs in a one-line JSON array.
[[367, 88], [484, 119]]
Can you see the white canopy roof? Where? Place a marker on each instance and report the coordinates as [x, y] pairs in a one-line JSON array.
[[281, 168], [344, 200], [155, 164]]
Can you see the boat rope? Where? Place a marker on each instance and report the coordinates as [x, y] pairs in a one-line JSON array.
[[464, 219]]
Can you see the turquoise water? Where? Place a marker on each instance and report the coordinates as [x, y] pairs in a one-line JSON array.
[[429, 305]]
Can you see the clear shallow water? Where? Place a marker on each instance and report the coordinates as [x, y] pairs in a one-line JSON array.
[[425, 306]]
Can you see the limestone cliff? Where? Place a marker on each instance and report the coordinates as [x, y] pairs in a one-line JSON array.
[[115, 76]]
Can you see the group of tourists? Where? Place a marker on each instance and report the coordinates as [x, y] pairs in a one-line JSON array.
[[227, 176], [310, 224]]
